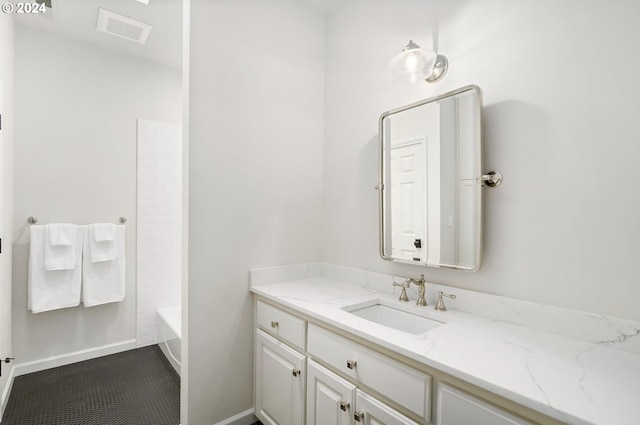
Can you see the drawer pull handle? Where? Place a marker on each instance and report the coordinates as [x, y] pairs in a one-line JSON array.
[[358, 416], [274, 323], [344, 405], [351, 364], [296, 372]]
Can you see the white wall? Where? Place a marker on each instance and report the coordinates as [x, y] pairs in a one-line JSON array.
[[159, 238], [6, 193], [560, 122], [255, 179], [75, 161]]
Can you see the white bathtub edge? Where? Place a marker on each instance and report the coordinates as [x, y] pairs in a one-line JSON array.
[[169, 313], [176, 366], [170, 335]]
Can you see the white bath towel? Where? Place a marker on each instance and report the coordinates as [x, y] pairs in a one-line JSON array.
[[102, 242], [51, 289], [60, 247], [103, 281]]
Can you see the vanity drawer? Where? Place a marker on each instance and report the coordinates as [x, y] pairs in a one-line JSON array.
[[404, 385], [285, 326]]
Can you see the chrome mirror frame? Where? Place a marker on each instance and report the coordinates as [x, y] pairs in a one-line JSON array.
[[491, 179]]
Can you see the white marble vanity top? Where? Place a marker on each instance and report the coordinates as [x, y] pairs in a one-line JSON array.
[[570, 379]]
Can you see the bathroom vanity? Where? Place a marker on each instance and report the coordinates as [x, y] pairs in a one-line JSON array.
[[326, 352]]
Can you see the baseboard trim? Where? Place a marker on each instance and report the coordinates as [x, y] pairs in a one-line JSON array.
[[73, 357], [7, 391], [242, 418]]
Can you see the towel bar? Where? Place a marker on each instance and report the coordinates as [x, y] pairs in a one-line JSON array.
[[34, 220]]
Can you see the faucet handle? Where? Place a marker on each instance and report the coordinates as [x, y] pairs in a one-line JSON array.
[[403, 294], [440, 304]]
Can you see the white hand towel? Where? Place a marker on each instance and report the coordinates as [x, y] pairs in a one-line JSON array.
[[51, 289], [103, 281], [61, 234], [60, 248], [102, 242], [104, 232]]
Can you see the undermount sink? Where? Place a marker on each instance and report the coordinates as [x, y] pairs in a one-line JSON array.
[[391, 316]]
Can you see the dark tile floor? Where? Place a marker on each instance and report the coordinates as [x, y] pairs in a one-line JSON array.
[[137, 387]]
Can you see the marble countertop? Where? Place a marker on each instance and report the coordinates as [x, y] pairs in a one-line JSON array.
[[574, 381]]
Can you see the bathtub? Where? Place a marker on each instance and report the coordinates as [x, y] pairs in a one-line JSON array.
[[169, 332]]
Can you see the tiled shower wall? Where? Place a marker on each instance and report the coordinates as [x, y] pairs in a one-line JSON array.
[[159, 216]]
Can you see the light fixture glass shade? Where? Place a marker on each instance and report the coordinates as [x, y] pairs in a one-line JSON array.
[[414, 63]]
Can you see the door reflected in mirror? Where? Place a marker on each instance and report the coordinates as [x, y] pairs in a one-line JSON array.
[[430, 181]]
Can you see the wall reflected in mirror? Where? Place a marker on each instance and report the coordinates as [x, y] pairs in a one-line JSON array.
[[430, 185]]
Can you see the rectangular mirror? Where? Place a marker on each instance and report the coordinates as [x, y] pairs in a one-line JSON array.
[[430, 181]]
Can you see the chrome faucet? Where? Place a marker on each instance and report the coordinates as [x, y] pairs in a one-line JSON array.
[[420, 283]]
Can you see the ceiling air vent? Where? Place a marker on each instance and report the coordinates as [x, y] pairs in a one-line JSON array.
[[122, 26]]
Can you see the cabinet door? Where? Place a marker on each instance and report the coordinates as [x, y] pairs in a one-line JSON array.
[[456, 408], [280, 377], [330, 399], [370, 411]]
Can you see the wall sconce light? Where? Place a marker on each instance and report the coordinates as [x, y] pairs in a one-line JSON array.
[[414, 63]]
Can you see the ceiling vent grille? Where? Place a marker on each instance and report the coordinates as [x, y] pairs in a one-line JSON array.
[[122, 26]]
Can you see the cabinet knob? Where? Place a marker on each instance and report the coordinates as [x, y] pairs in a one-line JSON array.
[[296, 372], [358, 416], [274, 323], [351, 364], [344, 405]]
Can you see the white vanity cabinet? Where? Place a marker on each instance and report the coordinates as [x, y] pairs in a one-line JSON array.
[[280, 382], [404, 385], [456, 408], [306, 374], [280, 366], [336, 401]]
